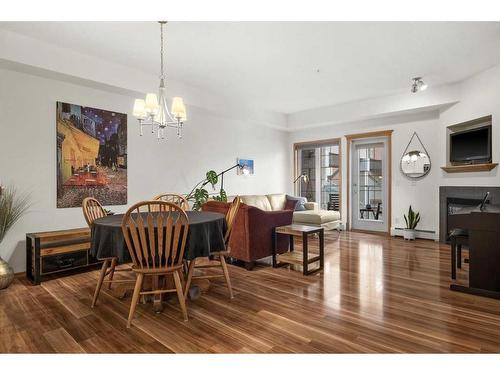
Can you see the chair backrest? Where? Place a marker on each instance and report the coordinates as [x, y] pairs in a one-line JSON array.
[[92, 210], [231, 217], [173, 198], [155, 233]]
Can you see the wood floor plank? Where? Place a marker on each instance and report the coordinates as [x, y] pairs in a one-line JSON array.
[[62, 341], [376, 294]]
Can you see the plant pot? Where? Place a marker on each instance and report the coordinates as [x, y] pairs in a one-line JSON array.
[[6, 274], [409, 234]]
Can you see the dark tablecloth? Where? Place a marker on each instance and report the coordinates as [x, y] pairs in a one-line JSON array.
[[206, 235]]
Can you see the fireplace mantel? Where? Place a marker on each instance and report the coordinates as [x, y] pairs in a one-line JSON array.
[[469, 168]]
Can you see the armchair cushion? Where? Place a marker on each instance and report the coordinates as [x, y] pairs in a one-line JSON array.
[[317, 217], [311, 206], [259, 201], [277, 201]]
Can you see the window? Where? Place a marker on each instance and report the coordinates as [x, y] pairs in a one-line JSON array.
[[321, 163]]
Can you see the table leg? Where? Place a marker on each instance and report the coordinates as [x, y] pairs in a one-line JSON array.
[[291, 243], [304, 253]]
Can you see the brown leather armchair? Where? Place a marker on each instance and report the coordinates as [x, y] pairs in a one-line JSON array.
[[251, 238]]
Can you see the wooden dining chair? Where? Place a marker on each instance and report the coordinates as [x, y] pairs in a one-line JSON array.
[[218, 257], [93, 210], [173, 198], [155, 234]]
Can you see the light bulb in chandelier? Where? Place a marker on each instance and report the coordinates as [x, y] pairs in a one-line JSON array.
[[140, 109], [178, 109], [152, 104]]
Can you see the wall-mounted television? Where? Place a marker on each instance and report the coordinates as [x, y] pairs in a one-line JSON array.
[[473, 145]]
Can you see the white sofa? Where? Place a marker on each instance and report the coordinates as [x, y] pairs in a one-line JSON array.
[[329, 220], [314, 216]]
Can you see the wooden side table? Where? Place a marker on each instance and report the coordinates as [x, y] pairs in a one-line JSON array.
[[297, 257]]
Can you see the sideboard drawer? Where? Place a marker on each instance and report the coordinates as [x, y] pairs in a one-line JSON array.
[[63, 262]]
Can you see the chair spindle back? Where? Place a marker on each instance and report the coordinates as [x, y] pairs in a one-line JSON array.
[[173, 198], [92, 210], [155, 233], [231, 217]]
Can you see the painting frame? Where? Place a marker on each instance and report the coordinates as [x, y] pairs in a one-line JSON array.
[[91, 155], [249, 163]]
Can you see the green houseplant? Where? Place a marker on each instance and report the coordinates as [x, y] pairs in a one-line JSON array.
[[12, 207], [200, 195], [411, 221]]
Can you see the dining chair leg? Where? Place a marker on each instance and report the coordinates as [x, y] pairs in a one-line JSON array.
[[180, 295], [189, 277], [112, 271], [102, 275], [226, 275], [459, 256], [135, 297]]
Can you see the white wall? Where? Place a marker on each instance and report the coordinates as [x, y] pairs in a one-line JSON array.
[[28, 153], [475, 97], [405, 191], [479, 96]]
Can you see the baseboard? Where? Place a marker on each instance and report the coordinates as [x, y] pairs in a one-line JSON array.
[[420, 233]]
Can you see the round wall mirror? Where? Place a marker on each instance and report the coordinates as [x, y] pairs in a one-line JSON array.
[[415, 164]]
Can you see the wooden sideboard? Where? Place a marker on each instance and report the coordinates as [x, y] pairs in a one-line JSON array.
[[53, 252]]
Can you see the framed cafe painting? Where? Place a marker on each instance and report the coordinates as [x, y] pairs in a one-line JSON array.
[[91, 155]]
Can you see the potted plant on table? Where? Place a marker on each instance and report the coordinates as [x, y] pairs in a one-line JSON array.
[[12, 207], [411, 220]]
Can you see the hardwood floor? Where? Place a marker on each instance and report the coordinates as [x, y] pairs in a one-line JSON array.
[[376, 294]]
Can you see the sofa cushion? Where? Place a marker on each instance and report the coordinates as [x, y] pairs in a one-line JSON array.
[[315, 217], [259, 201], [311, 206], [277, 201], [300, 202]]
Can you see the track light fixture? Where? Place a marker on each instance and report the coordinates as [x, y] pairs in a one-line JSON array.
[[418, 85]]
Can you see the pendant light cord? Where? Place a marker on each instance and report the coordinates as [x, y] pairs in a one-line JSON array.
[[161, 50]]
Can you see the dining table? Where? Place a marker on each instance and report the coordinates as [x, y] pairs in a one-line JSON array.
[[205, 235]]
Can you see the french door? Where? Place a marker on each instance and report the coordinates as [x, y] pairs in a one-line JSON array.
[[369, 184]]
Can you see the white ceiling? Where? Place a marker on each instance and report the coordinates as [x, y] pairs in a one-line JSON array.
[[274, 65]]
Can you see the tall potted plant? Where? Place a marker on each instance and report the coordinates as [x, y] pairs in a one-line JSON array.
[[12, 207], [411, 220]]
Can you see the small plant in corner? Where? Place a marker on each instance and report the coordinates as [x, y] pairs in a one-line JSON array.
[[412, 221]]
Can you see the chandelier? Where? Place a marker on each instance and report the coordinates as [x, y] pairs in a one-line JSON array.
[[153, 111]]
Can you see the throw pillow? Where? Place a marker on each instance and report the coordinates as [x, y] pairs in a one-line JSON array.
[[300, 202]]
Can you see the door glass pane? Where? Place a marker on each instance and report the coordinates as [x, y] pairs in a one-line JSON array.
[[308, 167], [329, 169], [370, 181]]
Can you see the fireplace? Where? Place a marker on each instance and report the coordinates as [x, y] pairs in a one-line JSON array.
[[454, 198]]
